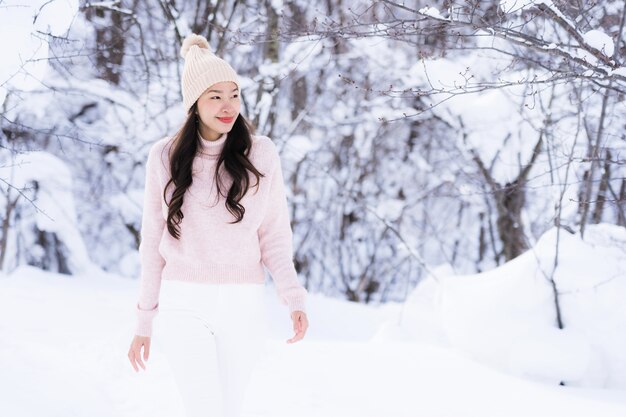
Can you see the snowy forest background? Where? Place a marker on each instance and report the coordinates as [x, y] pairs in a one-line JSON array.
[[420, 140], [411, 136]]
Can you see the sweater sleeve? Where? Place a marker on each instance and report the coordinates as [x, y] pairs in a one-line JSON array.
[[276, 242], [152, 263]]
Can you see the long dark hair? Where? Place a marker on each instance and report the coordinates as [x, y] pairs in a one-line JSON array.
[[234, 158]]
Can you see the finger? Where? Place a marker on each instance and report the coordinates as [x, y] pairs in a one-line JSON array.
[[131, 357], [140, 362], [296, 337], [304, 325], [297, 322], [138, 359], [146, 351]]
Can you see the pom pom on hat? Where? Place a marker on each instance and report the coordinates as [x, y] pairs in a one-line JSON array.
[[194, 40], [202, 69]]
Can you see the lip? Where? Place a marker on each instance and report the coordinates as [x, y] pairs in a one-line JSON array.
[[226, 119]]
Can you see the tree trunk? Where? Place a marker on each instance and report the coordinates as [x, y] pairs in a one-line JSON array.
[[594, 156], [6, 223], [510, 201], [299, 87], [110, 27], [602, 189]]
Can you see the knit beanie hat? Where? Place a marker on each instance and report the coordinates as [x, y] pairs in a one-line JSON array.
[[202, 69]]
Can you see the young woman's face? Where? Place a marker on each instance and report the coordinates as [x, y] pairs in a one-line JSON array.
[[218, 108]]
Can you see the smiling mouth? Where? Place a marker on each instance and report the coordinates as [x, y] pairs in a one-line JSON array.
[[226, 119]]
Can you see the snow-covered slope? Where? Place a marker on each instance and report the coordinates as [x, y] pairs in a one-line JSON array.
[[65, 338], [506, 317]]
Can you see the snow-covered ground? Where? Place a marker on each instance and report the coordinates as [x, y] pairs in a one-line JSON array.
[[477, 345], [64, 342], [506, 317]]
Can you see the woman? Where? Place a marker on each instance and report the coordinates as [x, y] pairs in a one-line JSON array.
[[215, 214]]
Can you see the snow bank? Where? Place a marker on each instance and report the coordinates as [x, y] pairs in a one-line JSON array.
[[333, 372], [507, 317]]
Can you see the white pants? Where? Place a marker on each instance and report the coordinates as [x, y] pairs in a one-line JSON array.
[[212, 335]]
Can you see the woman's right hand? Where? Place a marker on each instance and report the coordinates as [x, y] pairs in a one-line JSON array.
[[134, 353]]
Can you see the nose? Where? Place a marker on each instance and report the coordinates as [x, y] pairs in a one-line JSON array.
[[228, 107]]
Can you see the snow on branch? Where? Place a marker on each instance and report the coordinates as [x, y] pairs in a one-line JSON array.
[[582, 40], [108, 5], [593, 50]]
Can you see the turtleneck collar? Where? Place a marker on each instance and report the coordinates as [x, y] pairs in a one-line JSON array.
[[211, 148]]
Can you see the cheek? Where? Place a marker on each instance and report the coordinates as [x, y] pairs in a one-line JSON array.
[[205, 112], [206, 106]]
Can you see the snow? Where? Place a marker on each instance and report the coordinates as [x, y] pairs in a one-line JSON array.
[[600, 41], [482, 117], [432, 12], [488, 340], [390, 209], [619, 71], [506, 317], [565, 353], [263, 107], [302, 56], [53, 201], [277, 5], [299, 147], [374, 55], [513, 6], [25, 57], [66, 340], [129, 204], [55, 17]]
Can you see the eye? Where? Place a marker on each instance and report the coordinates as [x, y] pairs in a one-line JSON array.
[[236, 96], [215, 97]]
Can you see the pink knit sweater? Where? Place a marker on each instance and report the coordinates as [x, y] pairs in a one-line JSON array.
[[210, 249]]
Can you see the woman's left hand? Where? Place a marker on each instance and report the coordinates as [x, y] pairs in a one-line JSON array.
[[300, 325]]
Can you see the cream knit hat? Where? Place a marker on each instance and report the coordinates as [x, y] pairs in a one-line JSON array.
[[202, 69]]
